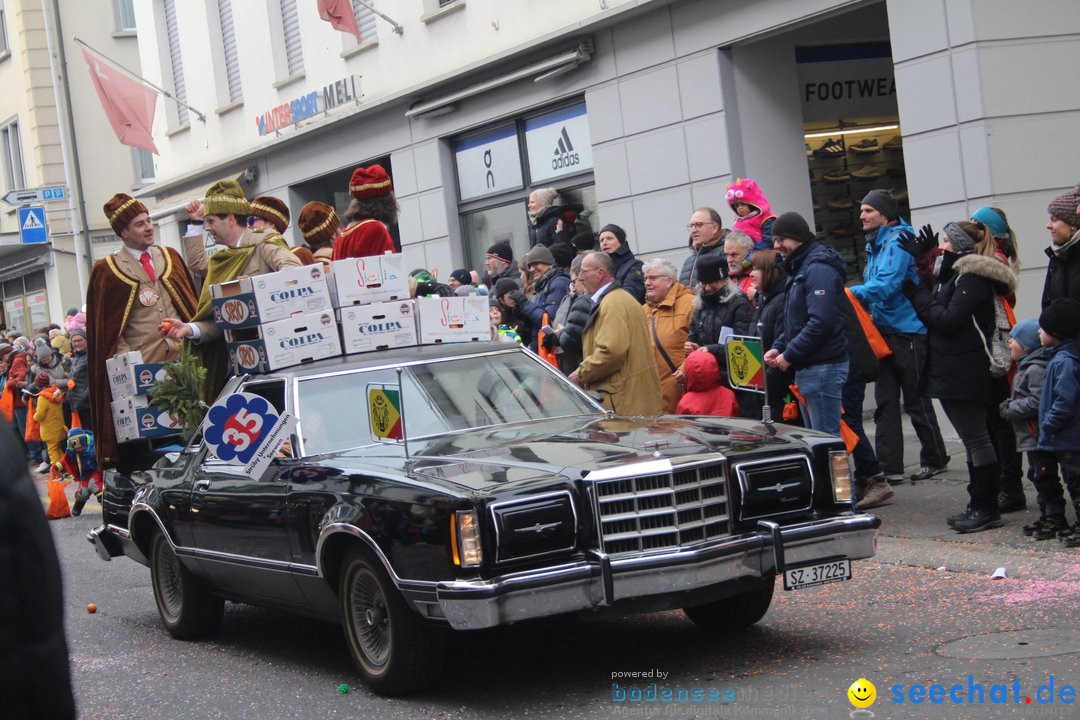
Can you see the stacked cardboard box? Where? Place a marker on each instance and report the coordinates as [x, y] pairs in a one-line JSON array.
[[133, 416], [276, 320]]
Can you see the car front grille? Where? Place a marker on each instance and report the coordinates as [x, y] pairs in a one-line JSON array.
[[662, 512]]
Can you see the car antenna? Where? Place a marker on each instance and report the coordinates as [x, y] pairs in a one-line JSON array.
[[401, 399]]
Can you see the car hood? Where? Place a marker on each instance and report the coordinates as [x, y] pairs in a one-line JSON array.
[[573, 447]]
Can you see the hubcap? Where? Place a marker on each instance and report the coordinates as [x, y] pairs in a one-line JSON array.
[[170, 585], [369, 619]]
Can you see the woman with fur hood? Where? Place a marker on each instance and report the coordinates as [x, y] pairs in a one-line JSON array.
[[959, 313]]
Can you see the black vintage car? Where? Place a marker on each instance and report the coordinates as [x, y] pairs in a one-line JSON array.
[[512, 495]]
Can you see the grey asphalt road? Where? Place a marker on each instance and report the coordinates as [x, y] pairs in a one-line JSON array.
[[924, 611]]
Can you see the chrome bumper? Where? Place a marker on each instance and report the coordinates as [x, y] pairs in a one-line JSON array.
[[600, 582], [110, 541]]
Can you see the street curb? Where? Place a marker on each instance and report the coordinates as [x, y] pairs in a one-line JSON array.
[[977, 559]]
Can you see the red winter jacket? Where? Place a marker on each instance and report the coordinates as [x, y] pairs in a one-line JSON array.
[[704, 394], [17, 376]]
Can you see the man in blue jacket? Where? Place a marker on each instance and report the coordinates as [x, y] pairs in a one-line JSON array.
[[887, 266], [814, 339]]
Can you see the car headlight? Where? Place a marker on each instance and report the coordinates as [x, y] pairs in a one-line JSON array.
[[465, 539], [840, 473]]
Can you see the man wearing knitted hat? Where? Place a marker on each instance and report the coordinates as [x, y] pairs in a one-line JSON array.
[[131, 292], [1063, 270], [319, 224], [371, 210], [887, 266], [247, 252], [499, 263]]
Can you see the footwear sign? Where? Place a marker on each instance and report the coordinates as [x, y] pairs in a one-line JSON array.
[[245, 431]]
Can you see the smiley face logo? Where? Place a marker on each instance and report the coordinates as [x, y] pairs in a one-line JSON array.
[[862, 693]]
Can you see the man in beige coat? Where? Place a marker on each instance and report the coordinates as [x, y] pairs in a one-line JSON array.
[[247, 252], [668, 307], [618, 361]]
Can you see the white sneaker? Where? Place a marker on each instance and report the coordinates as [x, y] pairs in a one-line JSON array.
[[42, 468]]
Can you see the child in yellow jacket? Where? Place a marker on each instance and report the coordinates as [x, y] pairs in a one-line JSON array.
[[49, 413]]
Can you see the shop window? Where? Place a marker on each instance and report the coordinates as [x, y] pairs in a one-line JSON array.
[[144, 165], [333, 189], [853, 139], [499, 166], [365, 20]]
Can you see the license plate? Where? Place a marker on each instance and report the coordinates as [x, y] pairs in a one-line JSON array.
[[822, 574]]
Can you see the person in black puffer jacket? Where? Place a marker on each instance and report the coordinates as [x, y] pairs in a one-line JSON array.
[[548, 220], [718, 304], [628, 272], [767, 323], [960, 316], [569, 323]]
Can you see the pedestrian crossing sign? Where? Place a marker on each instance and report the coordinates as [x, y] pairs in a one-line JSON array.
[[746, 368], [32, 228]]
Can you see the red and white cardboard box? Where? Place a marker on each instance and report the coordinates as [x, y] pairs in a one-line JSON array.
[[130, 376], [378, 326], [359, 281], [251, 301], [453, 319], [134, 418], [292, 341]]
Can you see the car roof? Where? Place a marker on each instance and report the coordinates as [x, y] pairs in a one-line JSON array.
[[383, 358]]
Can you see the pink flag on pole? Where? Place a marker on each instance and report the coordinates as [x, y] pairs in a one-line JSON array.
[[339, 13], [128, 104]]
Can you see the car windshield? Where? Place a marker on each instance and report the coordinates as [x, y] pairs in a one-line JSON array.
[[360, 408]]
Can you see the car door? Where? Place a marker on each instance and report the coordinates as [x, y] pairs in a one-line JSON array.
[[241, 524]]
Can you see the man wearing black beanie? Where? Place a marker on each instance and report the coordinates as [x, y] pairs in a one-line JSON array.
[[814, 339], [887, 266]]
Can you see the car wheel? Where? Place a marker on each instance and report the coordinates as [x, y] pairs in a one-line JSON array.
[[395, 650], [735, 612], [186, 608]]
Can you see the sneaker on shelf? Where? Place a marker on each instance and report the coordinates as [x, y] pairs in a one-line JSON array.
[[1011, 502], [844, 231], [869, 145], [839, 203], [838, 175], [977, 521], [926, 472], [1050, 527], [893, 143], [866, 172], [830, 147]]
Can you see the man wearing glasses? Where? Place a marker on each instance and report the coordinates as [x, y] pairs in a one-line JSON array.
[[706, 239], [618, 361]]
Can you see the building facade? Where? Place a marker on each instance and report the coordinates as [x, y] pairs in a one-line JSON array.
[[640, 111], [55, 134]]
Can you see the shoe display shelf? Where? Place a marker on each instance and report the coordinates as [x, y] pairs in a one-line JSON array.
[[842, 170]]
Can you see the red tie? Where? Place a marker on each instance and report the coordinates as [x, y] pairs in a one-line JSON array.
[[148, 266]]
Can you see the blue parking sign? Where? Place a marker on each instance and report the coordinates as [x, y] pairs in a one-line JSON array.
[[32, 227]]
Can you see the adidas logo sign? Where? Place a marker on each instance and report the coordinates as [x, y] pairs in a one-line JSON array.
[[564, 155]]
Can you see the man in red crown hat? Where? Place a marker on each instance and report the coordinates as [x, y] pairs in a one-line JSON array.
[[372, 208]]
